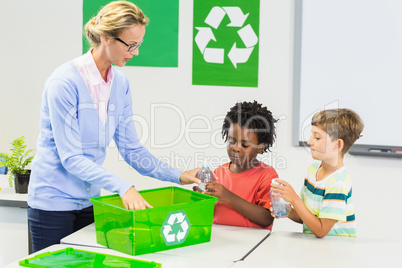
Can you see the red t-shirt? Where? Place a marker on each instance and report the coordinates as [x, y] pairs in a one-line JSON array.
[[252, 185]]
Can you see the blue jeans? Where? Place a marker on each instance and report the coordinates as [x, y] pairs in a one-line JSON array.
[[49, 227]]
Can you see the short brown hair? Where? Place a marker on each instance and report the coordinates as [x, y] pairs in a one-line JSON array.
[[342, 124]]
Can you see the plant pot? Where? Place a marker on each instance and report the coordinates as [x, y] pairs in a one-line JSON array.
[[21, 182]]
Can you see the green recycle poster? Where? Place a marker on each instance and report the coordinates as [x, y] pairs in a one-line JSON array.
[[161, 40], [225, 42]]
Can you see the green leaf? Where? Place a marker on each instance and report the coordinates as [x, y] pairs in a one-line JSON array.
[[18, 160]]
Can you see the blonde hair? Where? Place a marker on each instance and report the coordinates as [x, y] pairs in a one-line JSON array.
[[342, 124], [112, 19]]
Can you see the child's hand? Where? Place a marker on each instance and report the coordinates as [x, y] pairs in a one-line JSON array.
[[197, 189], [285, 191], [219, 191]]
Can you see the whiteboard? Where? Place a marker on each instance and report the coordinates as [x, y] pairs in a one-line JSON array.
[[348, 54]]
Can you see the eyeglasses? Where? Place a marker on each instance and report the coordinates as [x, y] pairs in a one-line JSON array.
[[131, 48]]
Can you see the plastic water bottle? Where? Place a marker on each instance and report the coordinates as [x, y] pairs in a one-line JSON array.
[[205, 175], [279, 205]]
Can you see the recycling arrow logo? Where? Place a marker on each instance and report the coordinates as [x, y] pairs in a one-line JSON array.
[[237, 53], [175, 228]]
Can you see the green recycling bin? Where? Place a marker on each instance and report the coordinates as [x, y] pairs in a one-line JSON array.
[[179, 218]]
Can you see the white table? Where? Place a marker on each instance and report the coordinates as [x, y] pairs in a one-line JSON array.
[[228, 243], [167, 261], [8, 197], [288, 249], [14, 231]]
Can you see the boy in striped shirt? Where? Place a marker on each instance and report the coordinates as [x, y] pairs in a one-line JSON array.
[[325, 206]]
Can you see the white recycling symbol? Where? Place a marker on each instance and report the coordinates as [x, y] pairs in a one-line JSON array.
[[174, 219], [237, 19]]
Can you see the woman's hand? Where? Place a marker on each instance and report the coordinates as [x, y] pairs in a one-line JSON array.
[[132, 200], [189, 177]]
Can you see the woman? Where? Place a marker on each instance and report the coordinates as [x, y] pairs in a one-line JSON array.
[[86, 103]]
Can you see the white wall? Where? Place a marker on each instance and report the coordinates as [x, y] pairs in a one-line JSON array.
[[38, 36]]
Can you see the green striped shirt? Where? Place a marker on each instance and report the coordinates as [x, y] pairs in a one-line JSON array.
[[330, 198]]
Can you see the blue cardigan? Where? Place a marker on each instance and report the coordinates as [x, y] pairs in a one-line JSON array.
[[67, 171]]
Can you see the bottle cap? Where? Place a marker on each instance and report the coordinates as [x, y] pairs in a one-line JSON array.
[[205, 165]]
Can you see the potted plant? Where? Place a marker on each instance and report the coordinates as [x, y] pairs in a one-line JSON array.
[[16, 163]]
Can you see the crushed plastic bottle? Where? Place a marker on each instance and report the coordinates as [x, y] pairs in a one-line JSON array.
[[205, 175], [279, 205]]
